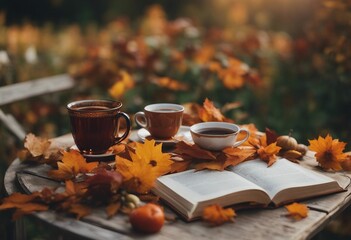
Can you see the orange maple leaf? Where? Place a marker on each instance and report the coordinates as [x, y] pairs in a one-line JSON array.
[[253, 134], [23, 203], [193, 151], [145, 165], [79, 210], [210, 113], [72, 164], [180, 166], [297, 210], [269, 153], [216, 215], [228, 157], [329, 152]]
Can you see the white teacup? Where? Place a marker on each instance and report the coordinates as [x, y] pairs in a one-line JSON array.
[[216, 136]]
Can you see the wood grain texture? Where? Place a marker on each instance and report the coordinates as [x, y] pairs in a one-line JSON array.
[[250, 224], [24, 90]]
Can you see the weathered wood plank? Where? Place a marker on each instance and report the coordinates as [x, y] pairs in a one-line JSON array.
[[19, 91]]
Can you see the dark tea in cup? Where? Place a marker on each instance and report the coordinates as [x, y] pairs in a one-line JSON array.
[[162, 120], [95, 125]]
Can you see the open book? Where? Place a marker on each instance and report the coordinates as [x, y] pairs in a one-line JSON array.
[[250, 182]]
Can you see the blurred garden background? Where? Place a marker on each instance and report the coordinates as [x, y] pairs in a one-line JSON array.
[[278, 64]]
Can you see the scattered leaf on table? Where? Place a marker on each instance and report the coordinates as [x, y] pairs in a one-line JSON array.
[[234, 156], [103, 185], [36, 146], [71, 165], [216, 215], [79, 210], [297, 210], [192, 150], [112, 209], [271, 136], [180, 166], [269, 153], [23, 203], [253, 133], [144, 166], [329, 152]]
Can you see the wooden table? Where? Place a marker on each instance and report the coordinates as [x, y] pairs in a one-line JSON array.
[[249, 224]]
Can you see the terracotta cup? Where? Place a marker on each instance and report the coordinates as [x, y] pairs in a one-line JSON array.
[[162, 120], [216, 136], [95, 124]]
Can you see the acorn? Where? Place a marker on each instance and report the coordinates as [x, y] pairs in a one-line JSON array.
[[302, 148], [292, 154], [286, 142]]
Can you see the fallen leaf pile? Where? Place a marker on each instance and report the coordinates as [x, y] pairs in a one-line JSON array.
[[138, 165], [215, 215]]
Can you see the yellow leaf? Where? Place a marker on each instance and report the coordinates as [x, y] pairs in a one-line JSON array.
[[72, 164], [144, 166]]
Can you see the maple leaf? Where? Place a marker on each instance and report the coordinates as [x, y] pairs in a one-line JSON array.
[[112, 209], [192, 150], [210, 113], [103, 185], [72, 164], [253, 134], [234, 156], [79, 210], [144, 166], [297, 210], [269, 153], [329, 152], [228, 157], [216, 215], [35, 145], [179, 166], [271, 136], [23, 203]]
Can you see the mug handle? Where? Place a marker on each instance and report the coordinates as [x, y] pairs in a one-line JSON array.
[[126, 133], [244, 140], [140, 119]]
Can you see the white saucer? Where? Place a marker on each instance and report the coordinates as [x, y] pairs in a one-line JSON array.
[[183, 132]]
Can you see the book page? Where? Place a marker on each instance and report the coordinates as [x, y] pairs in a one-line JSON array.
[[204, 185], [283, 174]]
